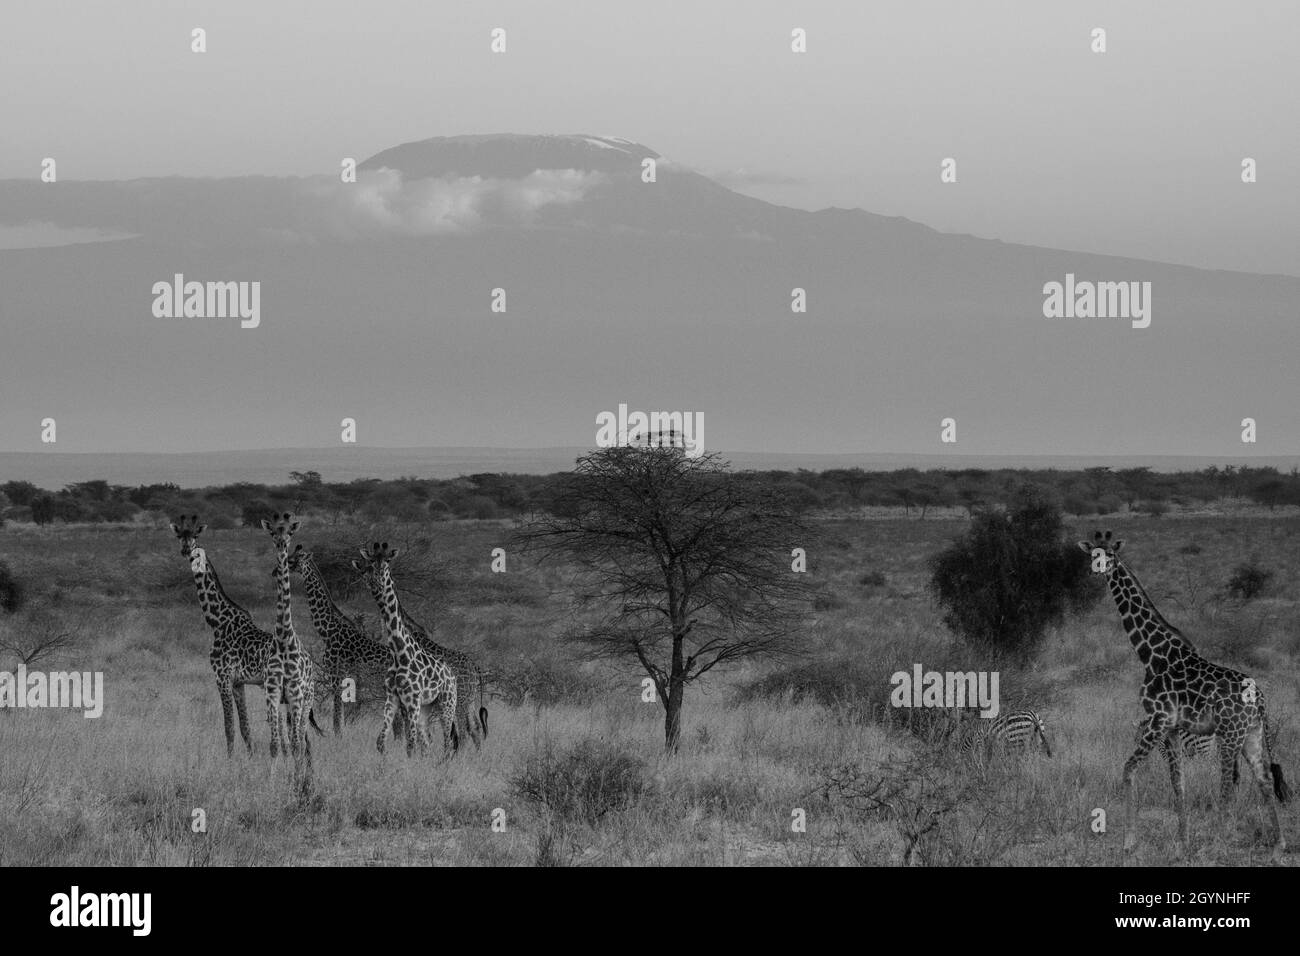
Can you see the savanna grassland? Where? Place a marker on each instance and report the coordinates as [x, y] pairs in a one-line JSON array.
[[574, 756]]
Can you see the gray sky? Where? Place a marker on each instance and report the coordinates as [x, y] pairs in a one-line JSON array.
[[1135, 152]]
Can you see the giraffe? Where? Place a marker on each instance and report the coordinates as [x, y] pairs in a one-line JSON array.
[[240, 649], [1182, 691], [349, 651], [414, 677], [470, 679], [289, 669]]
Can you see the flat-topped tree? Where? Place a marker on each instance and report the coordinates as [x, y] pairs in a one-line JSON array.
[[688, 564]]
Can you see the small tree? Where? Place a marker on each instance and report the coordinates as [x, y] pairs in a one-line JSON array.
[[689, 563], [1009, 577]]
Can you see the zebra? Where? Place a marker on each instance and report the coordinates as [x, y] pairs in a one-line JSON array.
[[1197, 745], [1019, 730]]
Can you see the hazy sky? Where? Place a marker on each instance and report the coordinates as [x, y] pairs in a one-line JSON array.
[[1133, 152]]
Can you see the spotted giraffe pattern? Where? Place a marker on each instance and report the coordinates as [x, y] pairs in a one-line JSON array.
[[240, 649], [1182, 691], [470, 680], [414, 678], [290, 674], [349, 650]]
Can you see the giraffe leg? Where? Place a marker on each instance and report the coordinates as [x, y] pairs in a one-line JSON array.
[[464, 704], [1253, 749], [1153, 730], [414, 729], [336, 694], [227, 706], [241, 708], [1173, 751], [1230, 745], [390, 711], [450, 738], [273, 691]]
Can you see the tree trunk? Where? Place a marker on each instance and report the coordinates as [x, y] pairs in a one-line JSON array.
[[676, 691]]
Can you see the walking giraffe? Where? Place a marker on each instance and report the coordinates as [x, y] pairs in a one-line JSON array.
[[240, 648], [470, 680], [414, 677], [349, 651], [289, 670], [1182, 691]]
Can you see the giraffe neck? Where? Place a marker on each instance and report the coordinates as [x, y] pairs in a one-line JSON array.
[[216, 605], [1145, 625], [324, 612], [414, 630], [390, 610], [283, 605]]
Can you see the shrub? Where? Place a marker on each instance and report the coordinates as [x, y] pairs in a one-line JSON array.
[[1011, 576], [479, 507], [11, 590], [872, 579], [1153, 508], [1079, 506], [254, 511], [582, 783], [1248, 581]]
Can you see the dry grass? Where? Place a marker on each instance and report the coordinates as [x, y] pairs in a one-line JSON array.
[[123, 789]]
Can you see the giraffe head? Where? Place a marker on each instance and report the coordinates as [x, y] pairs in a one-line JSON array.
[[198, 560], [374, 557], [1104, 552], [282, 528], [187, 530]]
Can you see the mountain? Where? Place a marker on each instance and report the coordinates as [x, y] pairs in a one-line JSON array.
[[376, 304]]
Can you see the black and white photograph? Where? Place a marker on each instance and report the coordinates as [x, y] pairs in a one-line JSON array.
[[677, 435]]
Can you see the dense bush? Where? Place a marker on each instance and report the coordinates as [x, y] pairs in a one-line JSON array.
[[1011, 576], [1248, 581], [253, 512], [582, 783], [11, 590]]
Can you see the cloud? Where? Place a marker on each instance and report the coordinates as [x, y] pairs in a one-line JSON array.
[[381, 204], [42, 235]]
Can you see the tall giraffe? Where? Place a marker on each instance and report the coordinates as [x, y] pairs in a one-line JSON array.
[[349, 651], [289, 670], [240, 649], [470, 679], [414, 678], [1184, 692]]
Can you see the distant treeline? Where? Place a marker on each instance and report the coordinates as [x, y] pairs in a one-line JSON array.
[[1087, 492]]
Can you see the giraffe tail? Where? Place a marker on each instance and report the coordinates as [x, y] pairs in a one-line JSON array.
[[1281, 789], [1042, 735], [311, 719]]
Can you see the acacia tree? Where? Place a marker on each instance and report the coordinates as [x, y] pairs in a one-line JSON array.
[[688, 564]]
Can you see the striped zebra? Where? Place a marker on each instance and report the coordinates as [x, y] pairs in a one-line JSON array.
[[1017, 730], [1197, 745]]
